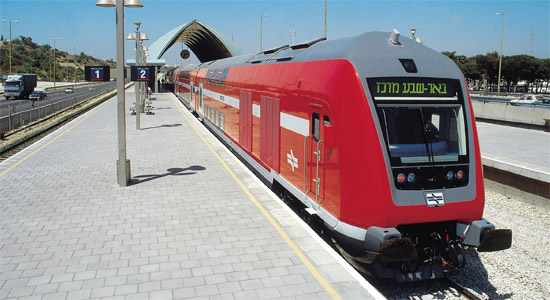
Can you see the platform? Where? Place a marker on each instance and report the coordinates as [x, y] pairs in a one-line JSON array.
[[193, 224], [525, 152]]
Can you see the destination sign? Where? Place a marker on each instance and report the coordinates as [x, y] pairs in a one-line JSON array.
[[397, 87]]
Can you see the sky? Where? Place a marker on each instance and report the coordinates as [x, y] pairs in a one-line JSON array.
[[467, 27]]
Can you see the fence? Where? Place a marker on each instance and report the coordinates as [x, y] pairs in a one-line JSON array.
[[21, 114]]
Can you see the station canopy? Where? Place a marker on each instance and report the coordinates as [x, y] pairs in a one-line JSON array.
[[204, 41]]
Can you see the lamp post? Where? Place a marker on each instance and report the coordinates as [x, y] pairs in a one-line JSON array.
[[261, 29], [74, 64], [138, 38], [325, 19], [54, 39], [500, 60], [10, 21], [123, 168]]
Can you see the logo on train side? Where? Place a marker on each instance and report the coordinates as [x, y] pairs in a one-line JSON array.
[[292, 160], [434, 199]]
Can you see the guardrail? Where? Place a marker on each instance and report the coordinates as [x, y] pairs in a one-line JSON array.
[[22, 114]]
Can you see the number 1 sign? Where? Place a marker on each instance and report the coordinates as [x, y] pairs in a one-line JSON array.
[[97, 73]]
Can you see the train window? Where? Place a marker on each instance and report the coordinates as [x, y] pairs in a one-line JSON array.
[[326, 121], [209, 80], [418, 133], [224, 75], [213, 75], [222, 121], [208, 76], [315, 126], [218, 76]]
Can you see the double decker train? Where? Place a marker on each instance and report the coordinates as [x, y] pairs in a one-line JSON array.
[[374, 135]]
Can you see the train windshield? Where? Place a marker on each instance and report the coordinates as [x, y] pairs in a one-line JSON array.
[[420, 133], [422, 119]]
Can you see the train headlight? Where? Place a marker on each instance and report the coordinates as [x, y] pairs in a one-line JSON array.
[[411, 177], [460, 175], [400, 178], [450, 175]]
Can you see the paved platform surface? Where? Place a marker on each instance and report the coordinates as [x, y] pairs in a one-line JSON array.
[[521, 151], [186, 227]]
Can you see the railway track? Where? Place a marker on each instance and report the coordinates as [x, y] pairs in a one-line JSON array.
[[462, 290]]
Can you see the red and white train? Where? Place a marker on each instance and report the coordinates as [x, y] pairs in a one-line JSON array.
[[373, 134]]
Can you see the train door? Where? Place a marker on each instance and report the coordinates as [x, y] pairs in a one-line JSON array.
[[191, 94], [316, 155], [201, 116]]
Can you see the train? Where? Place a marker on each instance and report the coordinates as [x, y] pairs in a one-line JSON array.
[[374, 135]]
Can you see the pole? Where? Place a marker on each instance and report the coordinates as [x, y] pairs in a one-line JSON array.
[[74, 65], [138, 104], [325, 19], [500, 60], [10, 49], [123, 178], [54, 39], [261, 30], [10, 21]]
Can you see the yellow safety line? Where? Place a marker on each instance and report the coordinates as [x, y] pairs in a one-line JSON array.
[[514, 160], [302, 257], [43, 146]]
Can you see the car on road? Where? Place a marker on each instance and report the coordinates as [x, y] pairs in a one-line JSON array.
[[38, 95], [526, 99], [69, 90]]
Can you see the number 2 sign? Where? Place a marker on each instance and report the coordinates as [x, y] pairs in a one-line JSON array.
[[142, 73]]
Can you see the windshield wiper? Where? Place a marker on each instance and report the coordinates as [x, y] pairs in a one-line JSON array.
[[427, 143]]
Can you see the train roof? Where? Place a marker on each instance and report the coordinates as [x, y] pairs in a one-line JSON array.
[[372, 54]]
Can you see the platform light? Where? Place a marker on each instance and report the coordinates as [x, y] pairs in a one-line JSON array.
[[123, 165]]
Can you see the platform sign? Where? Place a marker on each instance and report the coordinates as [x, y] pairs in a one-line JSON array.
[[97, 73], [142, 73]]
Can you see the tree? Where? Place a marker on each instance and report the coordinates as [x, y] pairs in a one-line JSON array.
[[488, 66]]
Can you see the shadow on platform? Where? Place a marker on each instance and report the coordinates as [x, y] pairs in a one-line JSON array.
[[171, 172]]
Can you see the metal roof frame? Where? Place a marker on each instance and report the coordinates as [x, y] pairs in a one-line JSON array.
[[205, 42]]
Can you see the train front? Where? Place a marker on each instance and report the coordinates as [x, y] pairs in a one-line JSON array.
[[426, 127]]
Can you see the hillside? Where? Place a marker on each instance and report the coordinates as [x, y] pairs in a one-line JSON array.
[[29, 57]]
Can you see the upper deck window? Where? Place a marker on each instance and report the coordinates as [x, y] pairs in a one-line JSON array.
[[218, 76], [224, 75]]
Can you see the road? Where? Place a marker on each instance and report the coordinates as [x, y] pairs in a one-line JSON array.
[[53, 97]]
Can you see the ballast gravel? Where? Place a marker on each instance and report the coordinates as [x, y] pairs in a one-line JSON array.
[[521, 272]]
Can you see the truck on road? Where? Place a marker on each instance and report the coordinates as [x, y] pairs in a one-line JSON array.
[[19, 86]]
